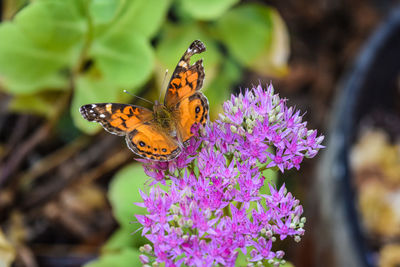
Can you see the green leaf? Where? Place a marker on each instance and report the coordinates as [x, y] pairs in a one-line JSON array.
[[257, 37], [177, 39], [142, 17], [220, 88], [241, 259], [124, 60], [53, 82], [25, 67], [206, 9], [89, 89], [273, 61], [43, 40], [125, 258], [287, 264], [53, 25], [42, 103], [246, 31], [124, 192], [123, 238], [271, 177], [104, 11]]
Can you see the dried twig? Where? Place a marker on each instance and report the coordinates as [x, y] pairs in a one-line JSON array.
[[15, 160], [53, 160], [21, 151], [111, 163], [19, 131], [70, 172]]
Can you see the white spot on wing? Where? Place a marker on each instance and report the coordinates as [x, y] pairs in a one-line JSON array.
[[109, 108], [182, 64], [102, 116]]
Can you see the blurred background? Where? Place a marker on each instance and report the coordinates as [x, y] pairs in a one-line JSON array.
[[67, 186]]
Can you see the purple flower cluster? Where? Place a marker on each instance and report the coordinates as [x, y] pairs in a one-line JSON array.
[[216, 205], [262, 120]]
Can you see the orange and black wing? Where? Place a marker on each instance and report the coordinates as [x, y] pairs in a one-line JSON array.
[[143, 136], [119, 119], [186, 79], [189, 111], [150, 141]]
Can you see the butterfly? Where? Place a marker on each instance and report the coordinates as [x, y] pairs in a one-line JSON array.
[[163, 133]]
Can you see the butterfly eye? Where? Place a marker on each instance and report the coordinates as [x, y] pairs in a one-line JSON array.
[[197, 110], [141, 143], [164, 150]]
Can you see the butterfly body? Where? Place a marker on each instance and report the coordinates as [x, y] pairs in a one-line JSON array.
[[164, 117], [160, 134]]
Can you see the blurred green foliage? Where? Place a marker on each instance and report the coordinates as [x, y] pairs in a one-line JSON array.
[[95, 48], [126, 257], [88, 51]]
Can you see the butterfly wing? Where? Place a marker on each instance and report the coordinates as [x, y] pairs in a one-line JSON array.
[[183, 98], [186, 79], [150, 141], [143, 136], [191, 110], [118, 119]]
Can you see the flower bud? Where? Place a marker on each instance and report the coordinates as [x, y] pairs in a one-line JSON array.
[[280, 254], [189, 223], [143, 259], [178, 231], [147, 248], [175, 209], [269, 234]]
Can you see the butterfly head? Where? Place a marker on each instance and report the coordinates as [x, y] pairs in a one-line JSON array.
[[158, 107]]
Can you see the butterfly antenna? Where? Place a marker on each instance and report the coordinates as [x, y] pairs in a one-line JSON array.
[[129, 93], [163, 83]]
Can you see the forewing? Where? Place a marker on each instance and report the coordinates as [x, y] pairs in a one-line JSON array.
[[149, 141], [189, 111], [118, 119], [186, 79]]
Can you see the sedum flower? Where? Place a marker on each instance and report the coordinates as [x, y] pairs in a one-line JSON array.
[[214, 207]]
